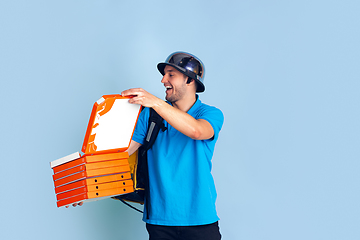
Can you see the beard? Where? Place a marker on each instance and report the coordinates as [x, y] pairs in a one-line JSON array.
[[177, 95]]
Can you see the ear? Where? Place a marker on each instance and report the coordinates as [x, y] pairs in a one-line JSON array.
[[189, 80]]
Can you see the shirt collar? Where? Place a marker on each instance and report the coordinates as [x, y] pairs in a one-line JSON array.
[[195, 106]]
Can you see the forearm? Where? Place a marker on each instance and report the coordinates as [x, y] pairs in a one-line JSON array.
[[133, 147], [198, 129]]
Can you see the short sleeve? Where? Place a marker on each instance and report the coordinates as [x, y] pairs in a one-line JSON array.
[[141, 126], [215, 117]]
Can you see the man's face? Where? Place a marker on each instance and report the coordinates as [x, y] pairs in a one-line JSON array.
[[175, 84]]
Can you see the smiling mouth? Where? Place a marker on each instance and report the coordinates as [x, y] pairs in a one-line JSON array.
[[168, 88]]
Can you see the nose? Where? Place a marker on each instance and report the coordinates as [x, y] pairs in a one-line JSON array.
[[164, 79]]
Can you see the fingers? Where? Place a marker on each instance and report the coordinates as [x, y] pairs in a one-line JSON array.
[[141, 97], [75, 204], [132, 91], [78, 203], [137, 100]]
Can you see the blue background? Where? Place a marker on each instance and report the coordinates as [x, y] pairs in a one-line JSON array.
[[284, 73]]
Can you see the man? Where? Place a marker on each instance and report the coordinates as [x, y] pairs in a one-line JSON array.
[[182, 190]]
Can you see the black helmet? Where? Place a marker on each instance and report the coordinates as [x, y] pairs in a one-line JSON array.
[[188, 64]]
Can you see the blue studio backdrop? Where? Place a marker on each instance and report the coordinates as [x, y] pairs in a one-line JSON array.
[[284, 73]]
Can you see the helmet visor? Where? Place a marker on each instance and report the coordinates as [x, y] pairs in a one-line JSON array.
[[187, 63]]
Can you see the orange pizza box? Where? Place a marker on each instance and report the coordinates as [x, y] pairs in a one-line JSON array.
[[111, 125], [108, 136], [90, 159], [94, 188], [95, 195], [91, 173], [90, 166], [93, 181]]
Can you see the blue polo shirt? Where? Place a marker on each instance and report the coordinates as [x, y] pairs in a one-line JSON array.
[[182, 188]]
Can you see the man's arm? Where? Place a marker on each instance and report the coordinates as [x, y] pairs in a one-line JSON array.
[[133, 147], [198, 129]]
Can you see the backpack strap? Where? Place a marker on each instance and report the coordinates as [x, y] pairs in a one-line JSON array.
[[155, 124]]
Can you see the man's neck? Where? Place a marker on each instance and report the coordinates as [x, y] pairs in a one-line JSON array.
[[185, 104]]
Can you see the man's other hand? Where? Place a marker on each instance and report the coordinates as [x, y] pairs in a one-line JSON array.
[[76, 204]]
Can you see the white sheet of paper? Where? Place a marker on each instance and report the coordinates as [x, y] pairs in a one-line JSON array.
[[65, 159]]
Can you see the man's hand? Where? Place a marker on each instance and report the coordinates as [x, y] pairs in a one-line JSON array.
[[142, 97], [76, 204]]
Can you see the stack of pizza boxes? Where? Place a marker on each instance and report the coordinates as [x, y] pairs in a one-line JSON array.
[[103, 170]]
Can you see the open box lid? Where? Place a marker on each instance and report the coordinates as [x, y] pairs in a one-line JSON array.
[[111, 125]]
